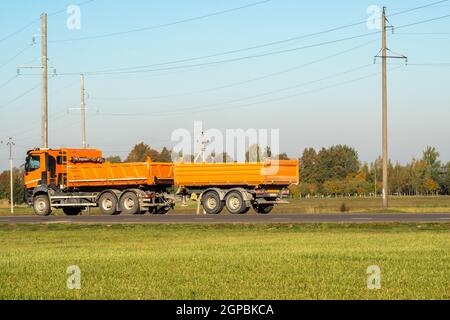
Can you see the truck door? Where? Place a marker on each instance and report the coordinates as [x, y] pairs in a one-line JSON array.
[[33, 171]]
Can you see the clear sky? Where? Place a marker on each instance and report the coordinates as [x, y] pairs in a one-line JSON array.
[[317, 96]]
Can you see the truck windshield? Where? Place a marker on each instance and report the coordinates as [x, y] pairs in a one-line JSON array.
[[33, 163]]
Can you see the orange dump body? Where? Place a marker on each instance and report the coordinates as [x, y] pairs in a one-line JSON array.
[[271, 172], [119, 174]]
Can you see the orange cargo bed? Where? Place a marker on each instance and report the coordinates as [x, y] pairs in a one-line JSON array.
[[123, 174], [271, 172]]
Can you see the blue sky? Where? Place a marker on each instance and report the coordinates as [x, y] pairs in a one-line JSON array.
[[339, 102]]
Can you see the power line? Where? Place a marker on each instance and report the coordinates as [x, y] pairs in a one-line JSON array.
[[19, 30], [15, 56], [436, 64], [37, 20], [133, 71], [20, 96], [208, 107], [261, 45], [106, 35], [4, 84], [273, 74]]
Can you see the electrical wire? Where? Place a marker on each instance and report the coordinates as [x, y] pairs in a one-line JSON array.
[[106, 35], [273, 74]]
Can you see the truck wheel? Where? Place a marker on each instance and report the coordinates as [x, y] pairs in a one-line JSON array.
[[211, 202], [41, 205], [108, 204], [72, 211], [263, 208], [246, 209], [129, 203], [235, 202]]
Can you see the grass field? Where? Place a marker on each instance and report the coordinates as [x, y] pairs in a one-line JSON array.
[[313, 261], [325, 205]]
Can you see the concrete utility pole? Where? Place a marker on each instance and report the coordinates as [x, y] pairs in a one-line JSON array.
[[384, 56], [83, 113], [384, 116], [44, 97], [10, 143]]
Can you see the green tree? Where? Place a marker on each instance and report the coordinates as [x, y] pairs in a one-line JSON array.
[[164, 156], [18, 187], [336, 163], [432, 164], [113, 159], [140, 152], [308, 166]]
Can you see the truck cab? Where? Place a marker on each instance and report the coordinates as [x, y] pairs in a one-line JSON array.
[[75, 179]]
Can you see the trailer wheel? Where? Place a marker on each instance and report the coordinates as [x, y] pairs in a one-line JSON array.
[[235, 202], [71, 211], [263, 208], [162, 210], [41, 205], [211, 202], [108, 204], [129, 203]]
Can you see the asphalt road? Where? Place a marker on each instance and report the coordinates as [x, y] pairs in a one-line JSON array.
[[227, 218]]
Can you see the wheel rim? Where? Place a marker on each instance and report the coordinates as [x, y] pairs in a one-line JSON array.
[[107, 204], [41, 205], [129, 203], [234, 203], [211, 203]]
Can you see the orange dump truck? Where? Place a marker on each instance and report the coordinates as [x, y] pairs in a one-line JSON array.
[[75, 179]]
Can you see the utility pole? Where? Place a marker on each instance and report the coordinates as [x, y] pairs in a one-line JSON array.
[[83, 113], [44, 97], [10, 143], [384, 57], [384, 113]]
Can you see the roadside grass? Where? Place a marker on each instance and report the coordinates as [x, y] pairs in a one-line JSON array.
[[431, 204], [307, 261]]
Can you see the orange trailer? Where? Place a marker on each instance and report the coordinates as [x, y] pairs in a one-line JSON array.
[[237, 186]]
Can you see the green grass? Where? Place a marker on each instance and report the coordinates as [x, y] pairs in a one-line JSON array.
[[325, 205], [312, 261]]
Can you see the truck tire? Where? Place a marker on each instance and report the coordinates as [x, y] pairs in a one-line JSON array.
[[211, 202], [41, 205], [129, 203], [71, 211], [107, 204], [235, 202], [263, 208], [246, 209]]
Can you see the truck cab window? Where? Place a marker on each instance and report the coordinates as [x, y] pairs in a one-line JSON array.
[[33, 163]]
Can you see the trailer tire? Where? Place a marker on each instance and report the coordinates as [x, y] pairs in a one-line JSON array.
[[41, 205], [263, 208], [71, 211], [235, 202], [129, 203], [162, 210], [108, 204], [211, 202]]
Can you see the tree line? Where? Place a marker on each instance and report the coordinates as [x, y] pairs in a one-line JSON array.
[[332, 171]]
